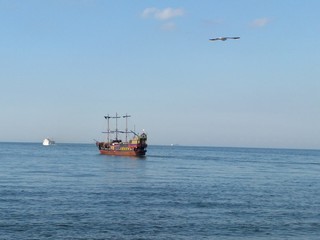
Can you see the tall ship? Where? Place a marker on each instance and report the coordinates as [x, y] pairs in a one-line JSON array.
[[135, 146]]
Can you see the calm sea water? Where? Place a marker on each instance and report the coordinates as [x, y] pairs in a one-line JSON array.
[[69, 191]]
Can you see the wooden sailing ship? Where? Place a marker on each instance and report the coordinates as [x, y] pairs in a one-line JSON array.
[[135, 146]]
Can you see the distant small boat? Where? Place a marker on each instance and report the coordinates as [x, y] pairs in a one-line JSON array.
[[174, 144], [47, 142]]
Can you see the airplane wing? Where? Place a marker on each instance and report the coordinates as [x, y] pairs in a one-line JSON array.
[[217, 39], [223, 38]]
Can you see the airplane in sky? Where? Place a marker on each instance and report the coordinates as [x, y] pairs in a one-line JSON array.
[[223, 38]]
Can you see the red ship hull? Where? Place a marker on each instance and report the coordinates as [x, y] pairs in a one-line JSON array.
[[131, 153], [122, 149]]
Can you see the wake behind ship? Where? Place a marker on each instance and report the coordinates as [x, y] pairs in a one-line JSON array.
[[136, 146]]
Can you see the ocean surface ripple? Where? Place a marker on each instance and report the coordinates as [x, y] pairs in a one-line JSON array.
[[69, 191]]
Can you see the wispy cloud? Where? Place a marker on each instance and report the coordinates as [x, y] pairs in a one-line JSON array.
[[162, 14], [165, 16], [260, 22]]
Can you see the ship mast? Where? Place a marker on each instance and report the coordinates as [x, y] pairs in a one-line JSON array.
[[108, 129], [126, 117], [116, 117], [116, 130]]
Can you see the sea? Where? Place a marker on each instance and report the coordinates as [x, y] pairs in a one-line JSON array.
[[70, 191]]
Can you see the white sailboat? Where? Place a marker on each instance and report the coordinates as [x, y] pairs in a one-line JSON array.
[[47, 142]]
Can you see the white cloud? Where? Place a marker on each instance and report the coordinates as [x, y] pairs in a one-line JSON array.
[[148, 12], [162, 14], [260, 22]]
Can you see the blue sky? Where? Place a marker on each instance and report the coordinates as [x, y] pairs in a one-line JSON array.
[[66, 64]]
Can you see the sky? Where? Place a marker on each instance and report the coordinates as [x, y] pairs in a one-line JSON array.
[[66, 64]]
